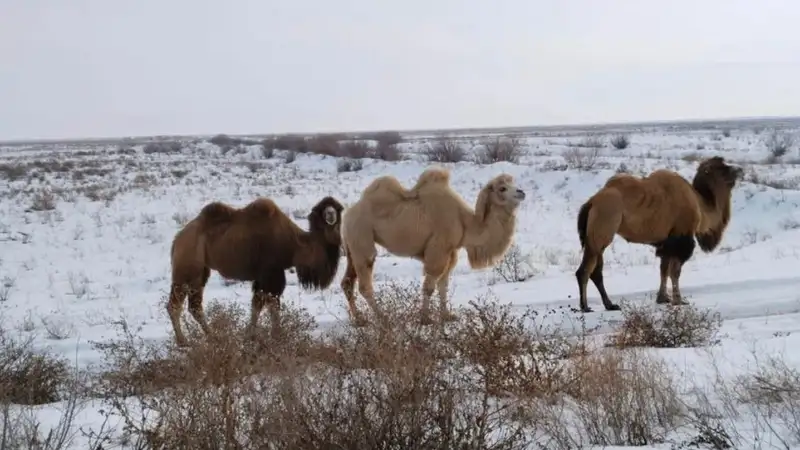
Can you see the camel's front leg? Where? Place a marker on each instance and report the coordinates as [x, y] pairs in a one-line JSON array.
[[675, 274], [662, 297]]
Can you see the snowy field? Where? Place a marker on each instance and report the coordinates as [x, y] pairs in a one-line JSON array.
[[85, 232]]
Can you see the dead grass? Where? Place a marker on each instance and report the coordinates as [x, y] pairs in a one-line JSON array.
[[665, 326]]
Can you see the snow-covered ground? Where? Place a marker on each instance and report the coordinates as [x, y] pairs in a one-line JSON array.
[[99, 251]]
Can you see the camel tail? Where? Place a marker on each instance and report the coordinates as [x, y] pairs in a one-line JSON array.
[[583, 222]]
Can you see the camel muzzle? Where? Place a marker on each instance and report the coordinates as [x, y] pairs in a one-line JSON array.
[[519, 195]]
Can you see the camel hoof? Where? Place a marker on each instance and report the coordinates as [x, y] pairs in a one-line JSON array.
[[612, 307], [586, 309], [663, 299], [677, 301]]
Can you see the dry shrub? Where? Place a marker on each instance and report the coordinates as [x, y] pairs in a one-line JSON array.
[[386, 152], [13, 171], [394, 386], [290, 142], [590, 141], [499, 149], [385, 137], [624, 397], [581, 158], [164, 147], [772, 393], [223, 140], [326, 144], [779, 143], [757, 409], [620, 141], [355, 149], [445, 150], [29, 376], [43, 200], [349, 165], [667, 326], [515, 267], [33, 377]]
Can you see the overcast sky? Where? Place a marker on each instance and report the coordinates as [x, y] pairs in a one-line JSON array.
[[82, 68]]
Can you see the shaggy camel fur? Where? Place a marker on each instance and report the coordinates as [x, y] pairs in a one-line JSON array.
[[255, 243], [429, 223], [663, 210]]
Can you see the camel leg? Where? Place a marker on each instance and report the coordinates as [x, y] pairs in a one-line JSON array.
[[587, 267], [598, 236], [196, 302], [267, 292], [442, 286], [366, 289], [662, 296], [348, 287], [597, 280], [435, 263], [674, 252], [675, 274], [177, 295]]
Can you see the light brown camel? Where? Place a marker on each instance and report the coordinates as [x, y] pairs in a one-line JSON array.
[[663, 210], [429, 223], [255, 243]]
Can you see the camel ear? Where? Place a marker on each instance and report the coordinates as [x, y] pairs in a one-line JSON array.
[[330, 215], [482, 205]]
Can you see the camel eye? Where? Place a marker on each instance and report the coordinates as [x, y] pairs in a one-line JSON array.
[[503, 189]]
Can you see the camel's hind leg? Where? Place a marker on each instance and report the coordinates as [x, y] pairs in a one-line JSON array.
[[597, 224], [597, 280], [348, 285], [436, 263], [442, 286], [591, 268], [361, 260]]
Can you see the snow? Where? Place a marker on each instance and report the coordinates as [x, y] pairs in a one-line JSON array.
[[68, 273]]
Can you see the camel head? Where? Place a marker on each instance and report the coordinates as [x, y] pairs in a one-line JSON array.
[[500, 192], [717, 176], [325, 218]]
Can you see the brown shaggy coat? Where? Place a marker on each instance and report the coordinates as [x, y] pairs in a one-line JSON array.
[[257, 243], [663, 210]]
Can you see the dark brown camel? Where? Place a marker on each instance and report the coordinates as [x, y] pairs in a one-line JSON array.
[[663, 210], [256, 243]]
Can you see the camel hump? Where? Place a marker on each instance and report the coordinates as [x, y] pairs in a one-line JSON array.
[[216, 212], [434, 175]]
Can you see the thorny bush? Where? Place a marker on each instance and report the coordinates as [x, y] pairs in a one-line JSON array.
[[396, 384], [668, 326]]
